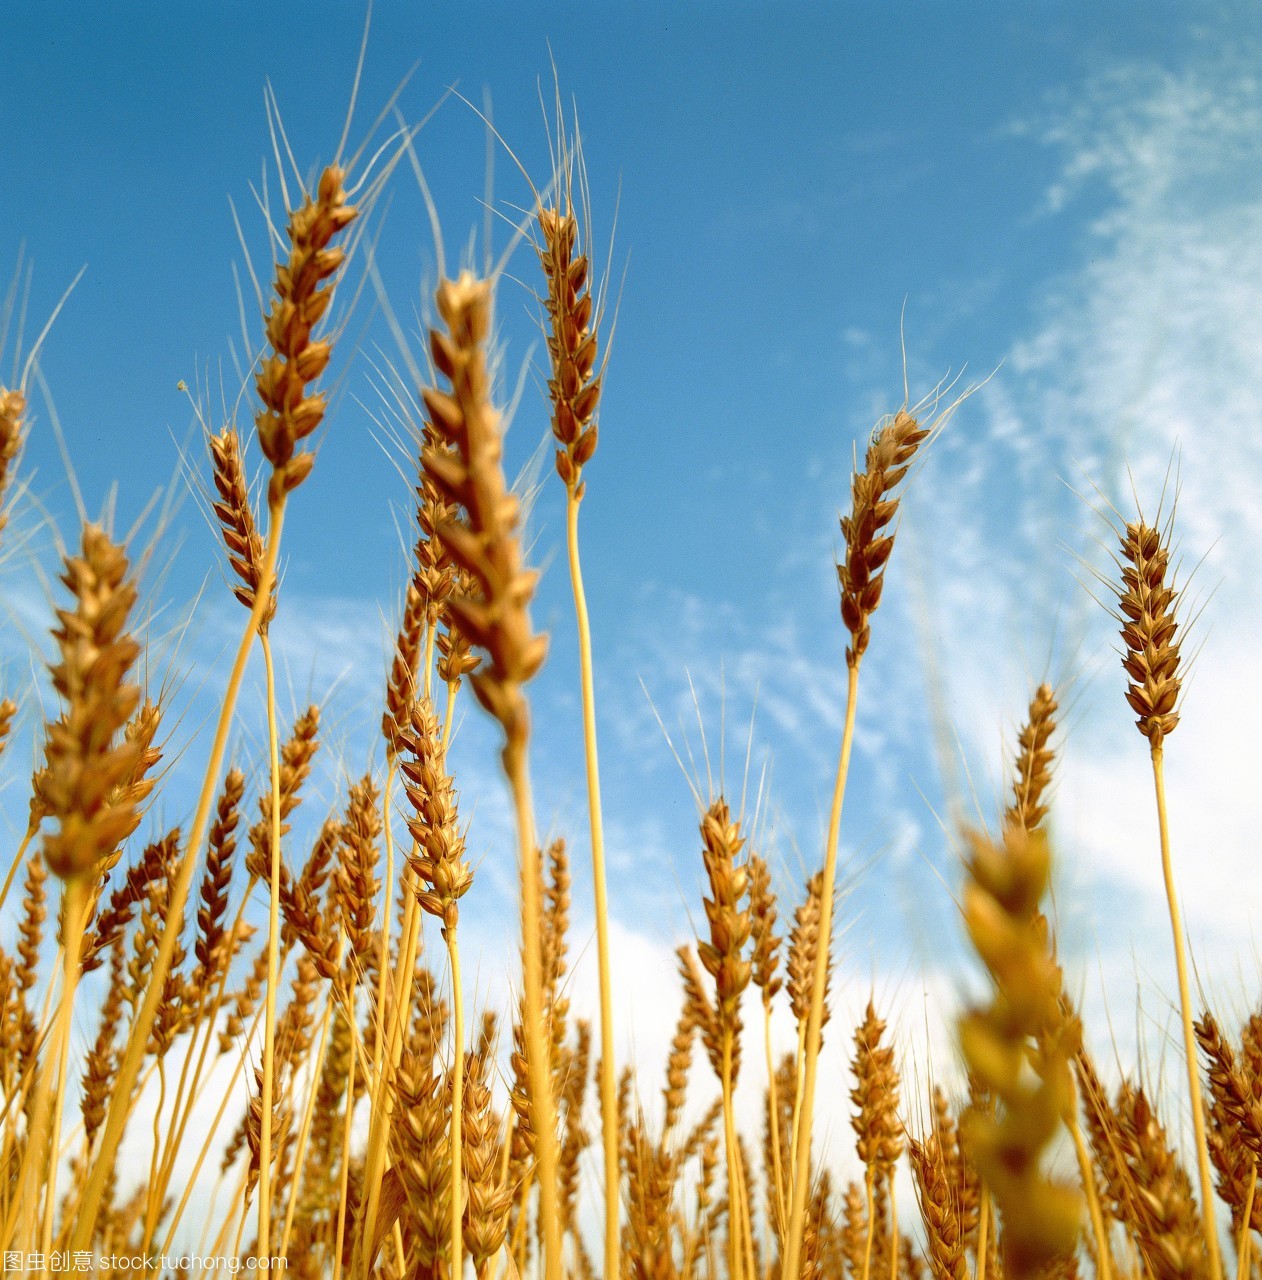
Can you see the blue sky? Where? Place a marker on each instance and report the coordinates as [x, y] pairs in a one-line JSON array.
[[1067, 193]]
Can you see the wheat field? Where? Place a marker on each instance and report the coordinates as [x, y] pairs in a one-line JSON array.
[[242, 1031]]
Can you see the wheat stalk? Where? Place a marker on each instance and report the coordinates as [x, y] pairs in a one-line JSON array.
[[1148, 603], [493, 613], [574, 390], [862, 580]]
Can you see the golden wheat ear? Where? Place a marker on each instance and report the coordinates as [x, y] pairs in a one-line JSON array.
[[12, 424], [1148, 602], [240, 532], [1020, 1048], [291, 412]]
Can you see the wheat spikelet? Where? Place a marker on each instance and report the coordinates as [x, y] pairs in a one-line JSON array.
[[456, 658], [1148, 604], [236, 522], [280, 1121], [23, 975], [1147, 601], [12, 422], [31, 926], [8, 710], [875, 1096], [574, 387], [489, 1195], [401, 685], [356, 875], [296, 1025], [1235, 1116], [213, 906], [862, 575], [289, 413], [958, 1168], [98, 1072], [155, 911], [853, 1230], [723, 955], [762, 907], [296, 756], [938, 1209], [1166, 1222], [1234, 1092], [698, 1007], [1001, 910], [777, 1139], [803, 951], [649, 1237], [420, 1139], [438, 859], [492, 612], [678, 1068], [305, 919], [111, 923], [85, 763], [575, 1137], [1032, 774]]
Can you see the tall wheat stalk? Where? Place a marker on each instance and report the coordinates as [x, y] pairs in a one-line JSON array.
[[1148, 602], [574, 389], [492, 611], [862, 578]]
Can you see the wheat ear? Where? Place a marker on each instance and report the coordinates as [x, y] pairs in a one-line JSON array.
[[1023, 1032], [12, 424], [446, 877], [723, 957], [765, 961], [877, 1127], [88, 762]]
